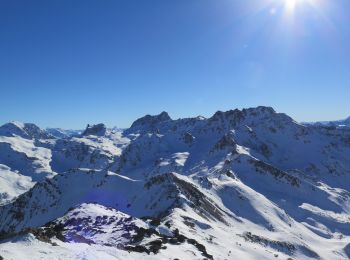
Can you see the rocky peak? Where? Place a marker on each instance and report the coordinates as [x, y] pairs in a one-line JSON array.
[[98, 130], [25, 130], [12, 128], [230, 114], [255, 116], [260, 110], [149, 121]]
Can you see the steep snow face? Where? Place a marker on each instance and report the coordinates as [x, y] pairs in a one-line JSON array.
[[247, 184], [12, 184], [26, 156]]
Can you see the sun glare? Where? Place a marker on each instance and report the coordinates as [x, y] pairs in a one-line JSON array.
[[291, 4]]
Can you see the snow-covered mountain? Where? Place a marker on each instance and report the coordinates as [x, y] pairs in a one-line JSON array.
[[337, 123], [63, 133], [242, 184]]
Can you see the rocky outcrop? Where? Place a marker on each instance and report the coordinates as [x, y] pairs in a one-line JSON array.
[[149, 123], [98, 130]]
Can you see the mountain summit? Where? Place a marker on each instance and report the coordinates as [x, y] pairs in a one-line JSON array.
[[25, 130], [98, 130], [149, 121]]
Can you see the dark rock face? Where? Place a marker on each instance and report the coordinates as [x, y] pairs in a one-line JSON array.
[[226, 141], [188, 138], [197, 200], [263, 167], [347, 250], [233, 116], [161, 241], [260, 109], [149, 121], [99, 130]]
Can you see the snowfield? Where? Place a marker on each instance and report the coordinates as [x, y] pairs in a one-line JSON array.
[[242, 184], [12, 184]]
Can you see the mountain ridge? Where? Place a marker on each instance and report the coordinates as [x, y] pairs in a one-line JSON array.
[[250, 183]]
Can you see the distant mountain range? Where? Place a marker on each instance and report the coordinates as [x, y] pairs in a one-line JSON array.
[[63, 133], [241, 184], [337, 123]]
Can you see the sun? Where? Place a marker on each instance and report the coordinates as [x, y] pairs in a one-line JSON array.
[[291, 4]]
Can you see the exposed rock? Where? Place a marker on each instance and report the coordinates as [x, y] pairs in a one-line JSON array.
[[188, 138], [263, 167], [149, 122], [98, 130]]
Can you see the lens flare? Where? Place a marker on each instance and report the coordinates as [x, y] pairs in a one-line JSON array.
[[291, 4]]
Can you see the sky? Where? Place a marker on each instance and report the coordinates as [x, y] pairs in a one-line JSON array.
[[68, 63]]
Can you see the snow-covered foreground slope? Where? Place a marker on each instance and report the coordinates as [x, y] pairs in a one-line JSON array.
[[243, 184]]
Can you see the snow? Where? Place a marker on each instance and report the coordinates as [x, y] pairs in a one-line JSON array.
[[30, 248], [12, 184], [180, 158], [62, 133], [23, 162], [22, 145], [337, 217], [243, 184]]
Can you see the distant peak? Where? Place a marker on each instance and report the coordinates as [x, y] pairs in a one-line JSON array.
[[63, 133], [164, 115], [253, 111], [235, 114], [253, 115], [25, 130], [259, 111], [16, 124], [98, 130], [263, 109], [149, 120]]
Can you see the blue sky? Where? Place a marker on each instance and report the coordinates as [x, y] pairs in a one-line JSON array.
[[67, 63]]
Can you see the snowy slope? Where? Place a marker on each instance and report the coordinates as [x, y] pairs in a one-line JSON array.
[[33, 154], [12, 184], [242, 184], [62, 133], [24, 158]]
